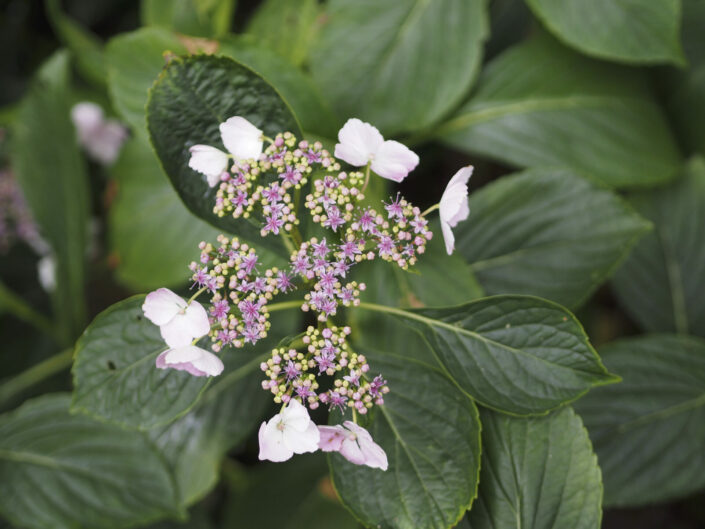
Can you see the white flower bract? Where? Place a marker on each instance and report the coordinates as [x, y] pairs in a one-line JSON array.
[[179, 323], [454, 205], [192, 359], [290, 432]]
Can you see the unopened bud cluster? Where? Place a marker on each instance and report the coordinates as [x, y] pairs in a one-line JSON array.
[[293, 373]]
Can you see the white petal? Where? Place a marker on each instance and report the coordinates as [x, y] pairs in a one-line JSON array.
[[192, 359], [195, 319], [454, 202], [371, 453], [295, 416], [208, 363], [271, 442], [46, 269], [302, 442], [162, 305], [359, 141], [394, 161], [175, 334], [242, 139], [86, 117], [209, 161], [448, 237], [103, 144]]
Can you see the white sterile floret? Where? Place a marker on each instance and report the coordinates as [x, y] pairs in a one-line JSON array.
[[179, 322], [454, 205], [290, 432]]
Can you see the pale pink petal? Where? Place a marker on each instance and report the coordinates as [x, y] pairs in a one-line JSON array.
[[195, 319], [373, 455], [454, 202], [209, 364], [181, 359], [162, 305], [86, 117], [271, 442], [331, 438], [448, 237], [241, 138], [209, 161], [394, 161], [350, 450], [104, 143], [175, 333], [295, 416], [302, 442], [359, 141]]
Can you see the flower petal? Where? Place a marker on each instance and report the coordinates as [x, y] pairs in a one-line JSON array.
[[86, 117], [350, 450], [209, 161], [448, 237], [242, 139], [394, 161], [454, 202], [271, 442], [373, 454], [209, 364], [295, 416], [192, 359], [302, 442], [359, 141], [332, 438], [175, 333], [195, 319], [162, 305]]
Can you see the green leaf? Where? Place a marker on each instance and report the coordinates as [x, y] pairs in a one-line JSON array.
[[295, 86], [49, 168], [400, 65], [517, 354], [631, 31], [84, 45], [661, 283], [61, 471], [540, 104], [548, 233], [134, 60], [189, 100], [150, 252], [432, 441], [114, 373], [200, 18], [648, 431], [537, 473], [286, 26]]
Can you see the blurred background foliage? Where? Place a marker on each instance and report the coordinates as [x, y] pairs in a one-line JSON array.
[[599, 104]]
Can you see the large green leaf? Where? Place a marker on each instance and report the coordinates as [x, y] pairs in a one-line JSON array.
[[432, 441], [537, 473], [50, 170], [548, 233], [662, 282], [114, 373], [542, 104], [648, 431], [200, 18], [286, 26], [631, 31], [134, 61], [400, 65], [517, 354], [62, 471], [189, 100], [153, 236]]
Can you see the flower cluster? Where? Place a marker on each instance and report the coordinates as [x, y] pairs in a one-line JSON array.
[[294, 374], [16, 222]]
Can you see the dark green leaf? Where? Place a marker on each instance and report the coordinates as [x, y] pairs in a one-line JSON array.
[[200, 18], [542, 104], [548, 233], [648, 431], [400, 65], [134, 61], [189, 100], [538, 473], [517, 354], [286, 26], [662, 281], [432, 441], [62, 471], [631, 31], [114, 372], [153, 236], [52, 175]]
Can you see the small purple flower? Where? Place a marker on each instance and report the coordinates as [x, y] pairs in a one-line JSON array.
[[251, 333], [201, 277], [249, 262], [325, 361], [353, 377], [321, 249], [386, 245], [320, 265], [367, 221], [349, 250], [340, 268], [249, 310], [336, 399], [273, 224], [291, 176], [271, 193], [241, 200], [291, 371], [220, 309], [284, 281], [333, 220], [259, 285], [394, 209], [312, 156], [327, 279], [304, 392], [419, 224], [347, 295], [301, 265], [376, 385]]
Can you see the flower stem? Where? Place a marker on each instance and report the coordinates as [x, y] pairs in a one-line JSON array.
[[35, 374], [288, 242], [198, 293], [367, 177], [17, 306], [432, 208], [284, 305]]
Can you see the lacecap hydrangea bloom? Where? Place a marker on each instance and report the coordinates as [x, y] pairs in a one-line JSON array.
[[278, 183]]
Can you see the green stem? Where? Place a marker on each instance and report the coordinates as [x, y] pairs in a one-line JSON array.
[[17, 306], [35, 374], [367, 177], [432, 208], [198, 293], [284, 305], [287, 242]]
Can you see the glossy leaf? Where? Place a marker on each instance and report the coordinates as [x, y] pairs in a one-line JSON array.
[[540, 104], [200, 18], [149, 252], [134, 61], [114, 373], [517, 354], [400, 65], [432, 441], [537, 473], [650, 428], [189, 100], [48, 166], [548, 233], [662, 281], [62, 471], [631, 31]]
